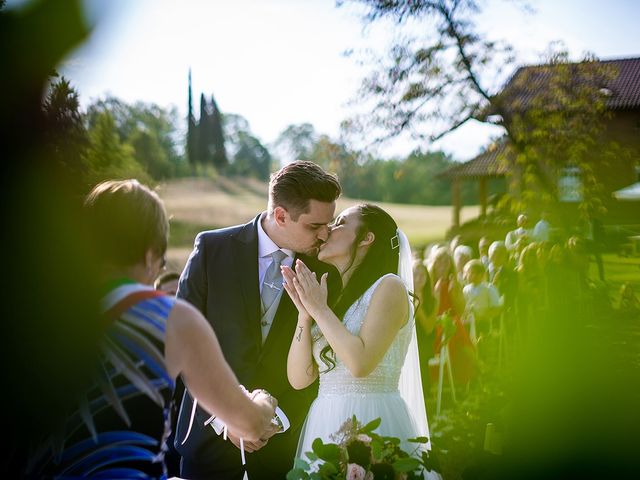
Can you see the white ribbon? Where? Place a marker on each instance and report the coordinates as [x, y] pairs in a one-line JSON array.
[[279, 419]]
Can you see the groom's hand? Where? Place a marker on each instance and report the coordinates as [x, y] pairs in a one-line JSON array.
[[253, 446], [248, 446]]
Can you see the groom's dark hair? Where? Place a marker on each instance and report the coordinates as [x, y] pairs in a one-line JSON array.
[[295, 184]]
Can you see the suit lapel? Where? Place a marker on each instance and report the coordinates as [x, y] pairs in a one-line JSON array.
[[246, 258]]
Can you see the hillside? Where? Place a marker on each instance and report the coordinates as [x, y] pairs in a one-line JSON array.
[[196, 204]]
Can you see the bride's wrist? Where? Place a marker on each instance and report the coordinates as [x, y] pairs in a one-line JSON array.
[[320, 312]]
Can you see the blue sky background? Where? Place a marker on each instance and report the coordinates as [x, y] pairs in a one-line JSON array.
[[278, 62]]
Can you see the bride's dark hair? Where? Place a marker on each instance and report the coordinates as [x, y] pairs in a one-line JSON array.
[[381, 258]]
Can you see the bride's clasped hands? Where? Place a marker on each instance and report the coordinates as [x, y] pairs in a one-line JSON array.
[[308, 295]]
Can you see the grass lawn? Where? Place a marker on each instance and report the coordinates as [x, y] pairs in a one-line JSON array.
[[196, 204], [617, 271], [200, 204]]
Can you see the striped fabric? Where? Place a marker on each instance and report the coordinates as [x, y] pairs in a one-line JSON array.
[[120, 427]]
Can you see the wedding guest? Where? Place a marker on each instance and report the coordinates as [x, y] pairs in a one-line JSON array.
[[521, 231], [461, 255], [595, 241], [502, 275], [167, 282], [233, 276], [578, 260], [629, 302], [498, 257], [150, 339], [520, 245], [429, 250], [542, 229], [425, 320], [483, 251], [529, 286], [448, 294], [455, 241], [560, 280], [482, 299]]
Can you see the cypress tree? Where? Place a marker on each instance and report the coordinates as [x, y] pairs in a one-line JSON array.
[[203, 151], [217, 136], [191, 129]]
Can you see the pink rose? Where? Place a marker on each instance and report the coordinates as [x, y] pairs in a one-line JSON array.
[[364, 438], [355, 472]]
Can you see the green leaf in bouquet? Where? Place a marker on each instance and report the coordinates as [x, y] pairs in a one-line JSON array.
[[329, 452], [407, 464], [430, 462], [387, 450], [418, 440], [311, 456], [318, 447], [360, 453], [297, 474], [376, 449], [300, 463], [392, 440], [315, 476], [327, 469], [383, 471], [371, 426]]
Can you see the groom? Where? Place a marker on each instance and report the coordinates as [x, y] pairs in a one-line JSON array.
[[230, 278]]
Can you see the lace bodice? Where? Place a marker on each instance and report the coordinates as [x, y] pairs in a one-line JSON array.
[[385, 376]]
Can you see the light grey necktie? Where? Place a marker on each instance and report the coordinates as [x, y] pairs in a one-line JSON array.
[[272, 283]]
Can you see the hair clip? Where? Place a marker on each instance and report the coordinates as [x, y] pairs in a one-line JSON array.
[[395, 243]]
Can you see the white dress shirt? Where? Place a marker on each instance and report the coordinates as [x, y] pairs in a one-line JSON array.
[[541, 231]]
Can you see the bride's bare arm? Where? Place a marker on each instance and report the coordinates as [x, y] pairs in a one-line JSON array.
[[386, 314], [192, 350], [301, 369]]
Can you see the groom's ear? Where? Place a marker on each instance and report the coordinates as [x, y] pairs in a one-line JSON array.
[[367, 240], [280, 214]]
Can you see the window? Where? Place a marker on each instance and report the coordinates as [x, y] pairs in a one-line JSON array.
[[570, 185]]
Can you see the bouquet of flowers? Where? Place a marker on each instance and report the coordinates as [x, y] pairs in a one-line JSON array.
[[360, 454]]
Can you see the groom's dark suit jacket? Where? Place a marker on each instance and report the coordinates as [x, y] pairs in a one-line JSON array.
[[221, 280]]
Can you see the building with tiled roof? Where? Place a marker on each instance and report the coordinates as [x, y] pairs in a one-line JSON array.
[[622, 89], [621, 86], [488, 164]]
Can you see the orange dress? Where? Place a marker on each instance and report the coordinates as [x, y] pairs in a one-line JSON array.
[[462, 352]]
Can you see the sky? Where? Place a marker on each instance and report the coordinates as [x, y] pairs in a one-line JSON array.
[[282, 62]]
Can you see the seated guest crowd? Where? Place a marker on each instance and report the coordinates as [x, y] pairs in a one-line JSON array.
[[472, 297]]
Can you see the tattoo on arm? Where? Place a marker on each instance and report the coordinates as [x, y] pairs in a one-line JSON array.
[[299, 336]]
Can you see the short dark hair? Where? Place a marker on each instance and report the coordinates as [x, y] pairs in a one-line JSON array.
[[165, 277], [124, 220], [295, 184]]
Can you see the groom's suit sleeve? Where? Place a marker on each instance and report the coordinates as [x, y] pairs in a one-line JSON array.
[[193, 281]]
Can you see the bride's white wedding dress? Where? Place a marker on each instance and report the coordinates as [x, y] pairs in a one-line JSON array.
[[341, 395]]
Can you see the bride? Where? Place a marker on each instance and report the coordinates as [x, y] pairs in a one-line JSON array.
[[360, 346]]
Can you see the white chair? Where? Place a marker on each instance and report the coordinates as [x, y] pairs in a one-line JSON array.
[[443, 359]]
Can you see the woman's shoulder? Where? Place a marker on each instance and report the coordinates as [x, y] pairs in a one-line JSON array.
[[185, 313], [389, 284]]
